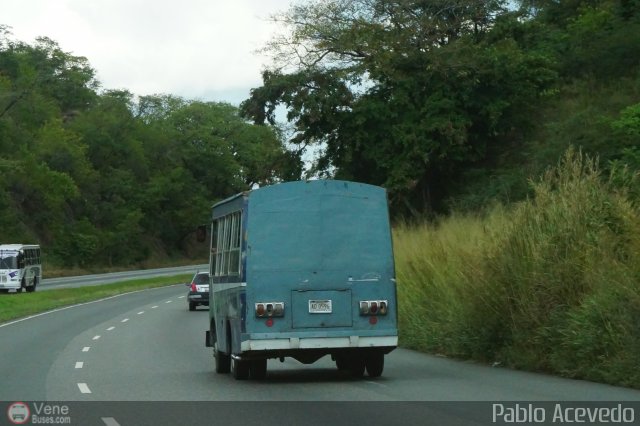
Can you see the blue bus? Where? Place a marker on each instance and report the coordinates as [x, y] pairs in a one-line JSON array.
[[303, 270]]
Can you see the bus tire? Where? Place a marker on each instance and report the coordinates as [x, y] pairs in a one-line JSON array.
[[258, 369], [240, 369], [375, 364], [32, 288], [223, 361], [342, 363], [357, 366]]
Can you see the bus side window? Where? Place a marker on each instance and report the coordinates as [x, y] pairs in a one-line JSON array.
[[20, 260], [214, 245]]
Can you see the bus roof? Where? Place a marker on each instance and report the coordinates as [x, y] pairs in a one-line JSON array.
[[291, 183], [17, 247], [229, 199]]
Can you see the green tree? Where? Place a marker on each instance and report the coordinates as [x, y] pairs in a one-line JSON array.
[[105, 179], [405, 94], [203, 151]]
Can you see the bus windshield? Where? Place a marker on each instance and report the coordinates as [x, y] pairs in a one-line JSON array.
[[8, 260]]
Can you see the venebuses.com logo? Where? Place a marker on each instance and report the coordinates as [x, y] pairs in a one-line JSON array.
[[18, 413]]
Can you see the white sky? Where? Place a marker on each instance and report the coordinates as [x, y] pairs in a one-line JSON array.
[[198, 49]]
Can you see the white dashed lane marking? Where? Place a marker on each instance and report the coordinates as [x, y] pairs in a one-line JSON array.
[[109, 421]]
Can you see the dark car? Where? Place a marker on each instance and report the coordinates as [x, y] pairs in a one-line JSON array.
[[198, 290]]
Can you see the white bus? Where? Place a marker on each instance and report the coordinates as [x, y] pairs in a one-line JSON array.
[[20, 267]]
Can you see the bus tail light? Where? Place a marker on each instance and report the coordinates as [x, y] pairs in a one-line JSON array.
[[374, 307], [269, 309]]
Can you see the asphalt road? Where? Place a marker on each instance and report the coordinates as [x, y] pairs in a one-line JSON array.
[[107, 359], [98, 279]]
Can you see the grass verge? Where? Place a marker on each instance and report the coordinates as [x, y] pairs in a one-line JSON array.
[[19, 305]]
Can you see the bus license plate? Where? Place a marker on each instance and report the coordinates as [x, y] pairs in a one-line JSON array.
[[319, 306]]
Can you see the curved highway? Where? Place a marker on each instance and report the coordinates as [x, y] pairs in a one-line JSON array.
[[147, 346], [98, 279]]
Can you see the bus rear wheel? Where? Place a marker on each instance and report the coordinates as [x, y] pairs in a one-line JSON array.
[[342, 363], [357, 365], [223, 361], [240, 369], [258, 369], [375, 364]]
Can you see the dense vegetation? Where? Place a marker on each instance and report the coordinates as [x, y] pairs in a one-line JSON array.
[[101, 178], [550, 284], [452, 103]]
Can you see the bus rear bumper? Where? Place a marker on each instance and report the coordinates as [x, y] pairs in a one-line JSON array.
[[293, 343]]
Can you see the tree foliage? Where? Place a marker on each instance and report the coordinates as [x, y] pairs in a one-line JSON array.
[[436, 99], [105, 178], [404, 94]]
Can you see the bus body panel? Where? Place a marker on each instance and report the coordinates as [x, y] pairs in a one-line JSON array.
[[319, 248]]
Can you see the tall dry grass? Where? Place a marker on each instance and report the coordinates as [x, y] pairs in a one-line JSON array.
[[550, 284]]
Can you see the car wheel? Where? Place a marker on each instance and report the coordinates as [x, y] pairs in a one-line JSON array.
[[192, 306]]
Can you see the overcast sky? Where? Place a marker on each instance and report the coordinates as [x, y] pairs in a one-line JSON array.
[[198, 49]]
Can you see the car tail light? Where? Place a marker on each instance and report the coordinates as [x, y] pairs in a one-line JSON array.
[[269, 309], [194, 288], [374, 307]]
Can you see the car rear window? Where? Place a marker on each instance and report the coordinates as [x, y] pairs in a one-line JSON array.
[[201, 279]]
